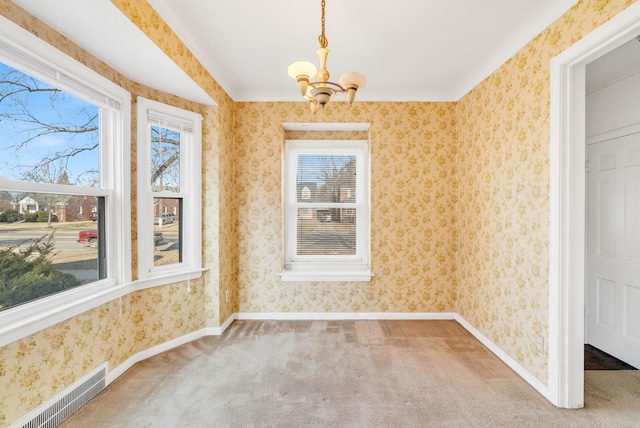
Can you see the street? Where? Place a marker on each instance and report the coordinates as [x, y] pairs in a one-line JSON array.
[[65, 239], [77, 259]]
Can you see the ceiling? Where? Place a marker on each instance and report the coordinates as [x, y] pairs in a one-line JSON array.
[[614, 66], [410, 50]]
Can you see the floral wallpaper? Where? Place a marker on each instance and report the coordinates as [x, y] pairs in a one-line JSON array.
[[36, 367], [503, 210], [459, 218], [413, 218]]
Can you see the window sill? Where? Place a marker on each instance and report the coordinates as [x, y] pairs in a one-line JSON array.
[[359, 275], [29, 318], [160, 278]]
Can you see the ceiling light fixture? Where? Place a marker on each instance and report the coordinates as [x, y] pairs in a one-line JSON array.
[[319, 92]]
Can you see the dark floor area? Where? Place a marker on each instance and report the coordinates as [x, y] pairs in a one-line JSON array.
[[595, 359]]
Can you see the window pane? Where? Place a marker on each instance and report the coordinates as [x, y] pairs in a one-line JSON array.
[[47, 245], [323, 232], [167, 230], [326, 178], [165, 159], [47, 135]]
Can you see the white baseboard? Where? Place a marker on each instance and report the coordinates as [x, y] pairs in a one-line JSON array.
[[300, 316], [515, 366], [218, 331]]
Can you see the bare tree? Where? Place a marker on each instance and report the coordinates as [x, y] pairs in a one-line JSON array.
[[165, 156], [32, 112], [336, 173], [338, 178]]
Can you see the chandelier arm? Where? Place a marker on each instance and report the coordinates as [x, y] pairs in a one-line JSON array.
[[337, 88]]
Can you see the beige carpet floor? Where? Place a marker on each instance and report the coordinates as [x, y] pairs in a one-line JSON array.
[[346, 374]]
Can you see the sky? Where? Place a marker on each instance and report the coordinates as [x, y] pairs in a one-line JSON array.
[[64, 108]]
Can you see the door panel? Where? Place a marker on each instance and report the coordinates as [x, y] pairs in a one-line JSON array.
[[632, 225], [606, 219], [605, 303], [632, 311], [613, 248]]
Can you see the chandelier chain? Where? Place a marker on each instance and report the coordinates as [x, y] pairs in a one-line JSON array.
[[320, 91], [322, 38]]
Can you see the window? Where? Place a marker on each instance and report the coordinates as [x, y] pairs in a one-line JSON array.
[[169, 190], [62, 150], [52, 143], [326, 206]]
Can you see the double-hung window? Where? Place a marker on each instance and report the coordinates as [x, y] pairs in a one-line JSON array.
[[64, 185], [169, 192], [326, 211]]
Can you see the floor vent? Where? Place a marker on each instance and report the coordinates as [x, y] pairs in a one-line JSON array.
[[81, 392]]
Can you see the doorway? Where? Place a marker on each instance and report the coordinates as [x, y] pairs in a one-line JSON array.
[[568, 204]]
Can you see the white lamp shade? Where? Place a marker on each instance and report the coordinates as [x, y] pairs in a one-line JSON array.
[[352, 78], [302, 68]]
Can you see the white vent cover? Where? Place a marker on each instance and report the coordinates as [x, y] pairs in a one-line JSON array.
[[51, 413]]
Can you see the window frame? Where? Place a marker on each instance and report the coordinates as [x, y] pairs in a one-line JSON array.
[[190, 192], [22, 50], [326, 268]]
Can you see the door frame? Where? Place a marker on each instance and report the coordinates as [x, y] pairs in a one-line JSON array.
[[567, 203]]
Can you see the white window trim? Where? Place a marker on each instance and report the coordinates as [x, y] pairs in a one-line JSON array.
[[21, 49], [190, 193], [334, 269]]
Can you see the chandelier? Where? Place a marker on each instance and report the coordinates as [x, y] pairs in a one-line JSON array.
[[320, 91]]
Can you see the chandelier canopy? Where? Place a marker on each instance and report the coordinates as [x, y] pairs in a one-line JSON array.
[[320, 91]]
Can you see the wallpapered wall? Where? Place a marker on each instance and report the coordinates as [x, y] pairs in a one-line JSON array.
[[504, 190], [413, 221], [38, 366]]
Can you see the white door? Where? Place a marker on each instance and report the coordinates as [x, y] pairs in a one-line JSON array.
[[613, 248]]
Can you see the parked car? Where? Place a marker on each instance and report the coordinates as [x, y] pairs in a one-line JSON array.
[[90, 238], [323, 215], [166, 218]]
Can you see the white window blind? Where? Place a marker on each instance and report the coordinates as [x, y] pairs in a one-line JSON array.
[[326, 205]]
